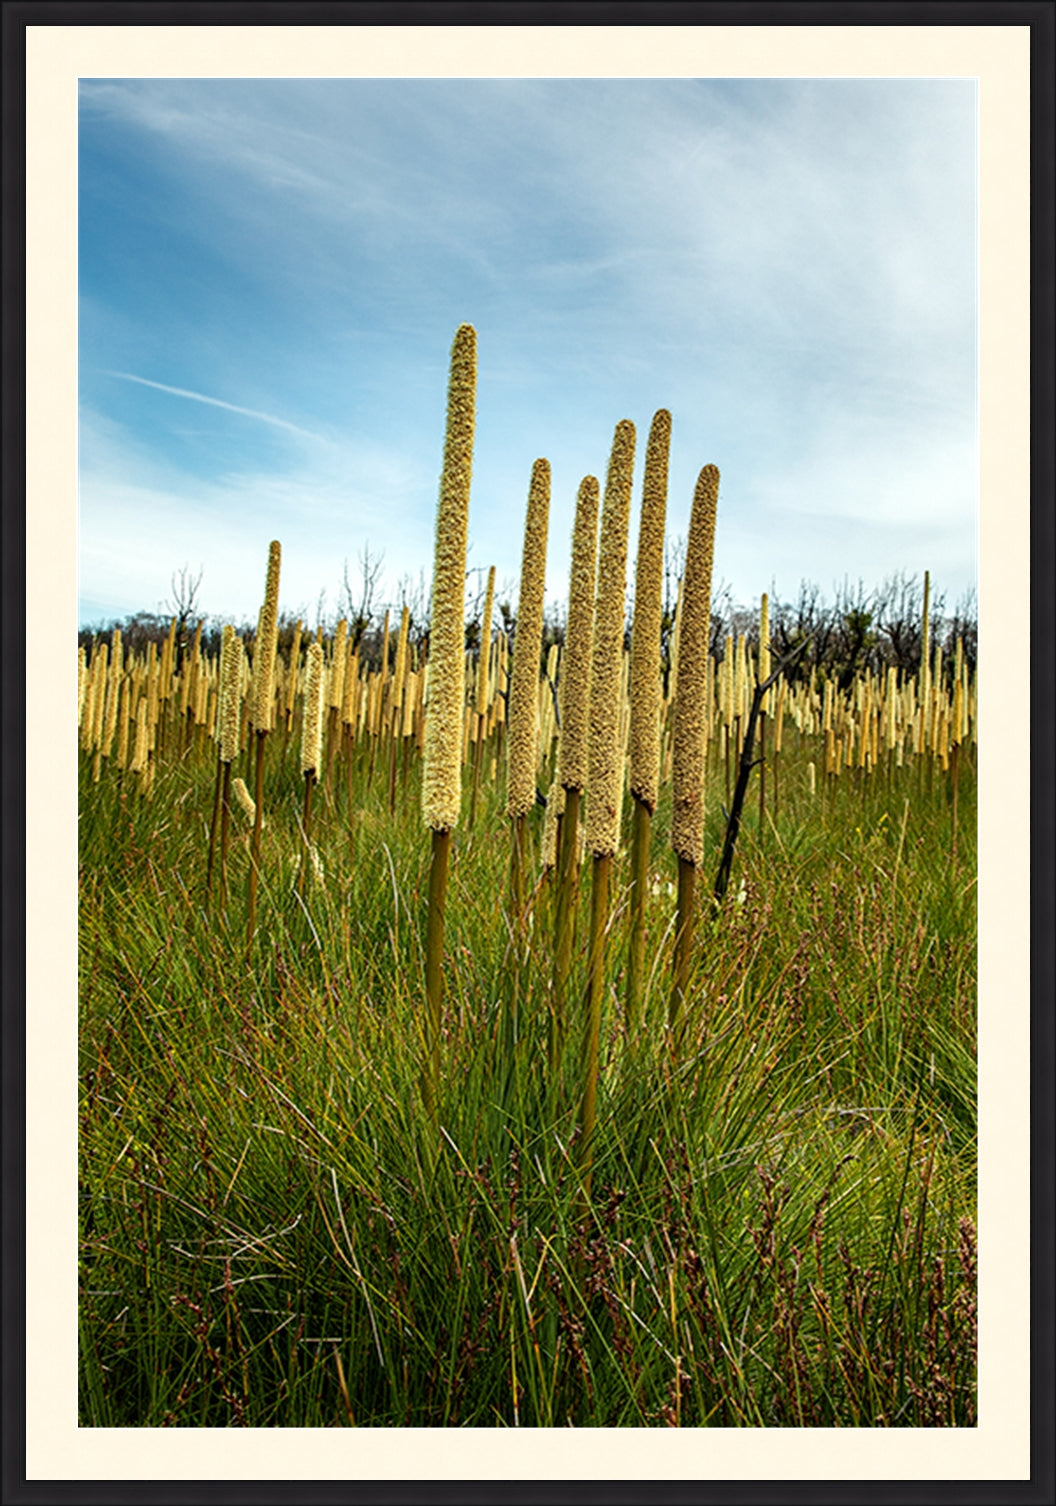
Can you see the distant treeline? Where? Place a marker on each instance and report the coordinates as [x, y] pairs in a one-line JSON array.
[[856, 629]]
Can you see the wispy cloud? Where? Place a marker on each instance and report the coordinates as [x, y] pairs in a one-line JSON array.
[[217, 402], [788, 265]]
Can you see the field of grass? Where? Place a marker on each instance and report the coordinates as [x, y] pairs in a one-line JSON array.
[[381, 1129], [779, 1228]]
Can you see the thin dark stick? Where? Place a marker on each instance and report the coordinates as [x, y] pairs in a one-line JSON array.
[[744, 770]]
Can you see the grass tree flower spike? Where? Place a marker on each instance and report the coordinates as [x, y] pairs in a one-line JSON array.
[[573, 742], [645, 633], [112, 693], [604, 758], [687, 770], [312, 711], [482, 689], [262, 713], [484, 662], [645, 693], [230, 711], [263, 704], [311, 746], [228, 735], [524, 682], [579, 638], [605, 786], [442, 774]]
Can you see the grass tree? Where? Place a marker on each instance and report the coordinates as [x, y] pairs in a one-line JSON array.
[[573, 745], [687, 769], [524, 684], [262, 711], [442, 773], [605, 761], [645, 695]]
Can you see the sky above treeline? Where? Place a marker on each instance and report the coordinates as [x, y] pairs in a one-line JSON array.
[[272, 272]]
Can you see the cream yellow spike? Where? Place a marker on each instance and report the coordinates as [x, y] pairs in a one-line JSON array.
[[484, 691], [312, 712], [687, 774], [336, 687], [644, 688], [442, 773], [263, 690], [523, 744], [605, 760]]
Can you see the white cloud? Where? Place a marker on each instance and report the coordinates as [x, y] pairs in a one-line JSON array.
[[788, 266], [216, 402], [141, 519]]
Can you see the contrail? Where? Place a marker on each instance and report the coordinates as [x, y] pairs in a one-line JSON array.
[[216, 402]]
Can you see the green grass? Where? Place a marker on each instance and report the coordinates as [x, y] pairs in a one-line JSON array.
[[781, 1227]]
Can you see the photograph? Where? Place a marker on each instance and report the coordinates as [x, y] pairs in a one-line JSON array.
[[527, 646]]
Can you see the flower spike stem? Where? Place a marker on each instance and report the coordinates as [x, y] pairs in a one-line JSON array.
[[599, 918], [434, 964], [254, 852], [685, 936], [564, 919], [641, 827]]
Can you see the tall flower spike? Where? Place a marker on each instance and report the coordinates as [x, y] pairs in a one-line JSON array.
[[605, 757], [575, 677], [645, 635], [263, 704], [312, 712], [442, 775], [483, 696], [399, 670], [336, 688], [524, 682], [230, 693], [687, 822]]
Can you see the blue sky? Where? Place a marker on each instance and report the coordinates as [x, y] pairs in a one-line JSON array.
[[272, 270]]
